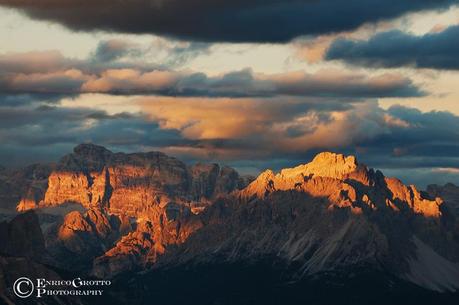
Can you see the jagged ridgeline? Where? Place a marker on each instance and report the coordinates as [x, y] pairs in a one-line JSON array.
[[318, 227]]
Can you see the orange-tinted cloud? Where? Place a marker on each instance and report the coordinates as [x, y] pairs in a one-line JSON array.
[[267, 125]]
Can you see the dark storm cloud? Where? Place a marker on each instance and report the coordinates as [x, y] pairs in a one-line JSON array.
[[395, 49], [221, 20]]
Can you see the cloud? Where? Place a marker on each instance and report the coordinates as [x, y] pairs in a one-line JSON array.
[[436, 50], [246, 83], [51, 73], [164, 52], [277, 126], [447, 170], [110, 50], [32, 134], [51, 116], [26, 99], [337, 83], [104, 57], [35, 62], [177, 53], [221, 20], [422, 177], [209, 119], [65, 81]]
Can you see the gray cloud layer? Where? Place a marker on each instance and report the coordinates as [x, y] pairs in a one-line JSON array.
[[395, 49], [52, 74], [221, 20]]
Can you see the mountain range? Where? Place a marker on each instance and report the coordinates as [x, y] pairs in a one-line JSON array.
[[332, 231]]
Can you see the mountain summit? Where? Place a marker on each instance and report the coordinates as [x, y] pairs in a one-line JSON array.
[[325, 164], [345, 182]]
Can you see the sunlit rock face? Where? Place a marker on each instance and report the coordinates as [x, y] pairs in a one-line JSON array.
[[411, 197], [86, 235], [93, 176], [163, 228], [325, 164], [345, 183], [143, 187], [133, 183], [132, 252]]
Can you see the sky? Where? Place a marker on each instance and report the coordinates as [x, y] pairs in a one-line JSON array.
[[251, 84]]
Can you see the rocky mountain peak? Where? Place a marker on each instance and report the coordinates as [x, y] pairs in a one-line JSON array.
[[263, 184], [330, 159], [92, 151], [345, 184], [325, 164], [85, 158]]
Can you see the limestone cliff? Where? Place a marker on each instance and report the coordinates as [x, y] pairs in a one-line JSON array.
[[131, 183]]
